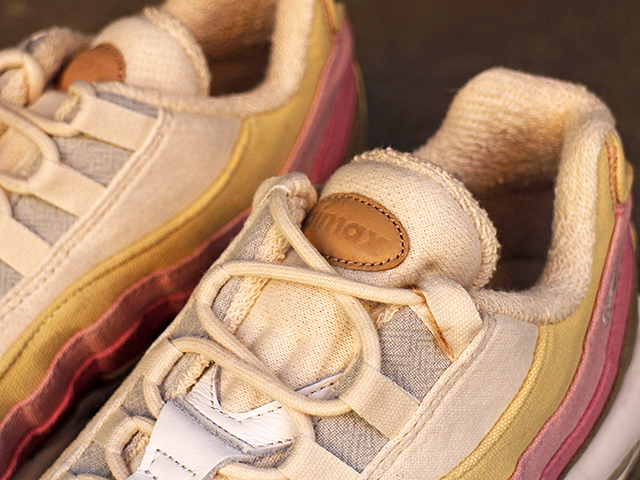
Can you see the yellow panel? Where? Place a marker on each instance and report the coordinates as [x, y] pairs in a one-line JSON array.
[[263, 145], [555, 361]]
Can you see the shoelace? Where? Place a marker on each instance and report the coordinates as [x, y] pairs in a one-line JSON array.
[[38, 130], [226, 351]]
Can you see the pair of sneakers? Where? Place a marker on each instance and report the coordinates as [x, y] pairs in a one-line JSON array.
[[369, 329]]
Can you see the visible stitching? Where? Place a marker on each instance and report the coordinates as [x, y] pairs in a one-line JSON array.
[[173, 460], [421, 418], [386, 214], [144, 158], [65, 253], [615, 173], [279, 442]]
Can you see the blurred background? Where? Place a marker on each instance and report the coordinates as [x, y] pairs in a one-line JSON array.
[[415, 54]]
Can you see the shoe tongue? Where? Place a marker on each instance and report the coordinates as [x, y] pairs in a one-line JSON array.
[[386, 219], [391, 220], [152, 51]]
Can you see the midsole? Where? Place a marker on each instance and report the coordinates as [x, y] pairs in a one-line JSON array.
[[133, 321], [614, 447], [570, 425]]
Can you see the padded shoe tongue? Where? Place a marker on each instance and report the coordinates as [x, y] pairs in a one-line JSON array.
[[391, 219], [387, 219], [151, 51]]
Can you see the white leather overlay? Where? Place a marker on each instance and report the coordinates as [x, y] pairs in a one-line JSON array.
[[194, 436], [462, 406]]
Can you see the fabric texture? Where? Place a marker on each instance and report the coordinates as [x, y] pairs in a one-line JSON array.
[[278, 332], [497, 113], [587, 181], [154, 60], [312, 89], [413, 360], [476, 376]]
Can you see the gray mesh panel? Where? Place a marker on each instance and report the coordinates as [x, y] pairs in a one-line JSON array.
[[42, 218], [253, 238], [8, 278], [93, 462], [350, 438], [93, 158], [411, 359], [245, 250], [134, 105], [410, 356], [97, 160], [190, 326], [135, 404]]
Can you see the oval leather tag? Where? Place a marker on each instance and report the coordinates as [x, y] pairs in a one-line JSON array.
[[357, 233], [103, 63]]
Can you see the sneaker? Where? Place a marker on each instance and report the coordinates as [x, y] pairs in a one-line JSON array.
[[122, 179], [376, 334]]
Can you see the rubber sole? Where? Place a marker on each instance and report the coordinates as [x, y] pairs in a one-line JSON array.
[[615, 447], [332, 128]]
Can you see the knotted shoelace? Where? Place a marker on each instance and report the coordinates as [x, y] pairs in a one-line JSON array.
[[227, 352]]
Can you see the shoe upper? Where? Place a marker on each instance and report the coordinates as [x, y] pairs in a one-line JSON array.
[[360, 335], [117, 163]]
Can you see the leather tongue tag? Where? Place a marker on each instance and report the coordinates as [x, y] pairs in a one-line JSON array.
[[357, 233], [103, 63]]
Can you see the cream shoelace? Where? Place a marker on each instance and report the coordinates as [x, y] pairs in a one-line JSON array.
[[226, 351], [50, 180]]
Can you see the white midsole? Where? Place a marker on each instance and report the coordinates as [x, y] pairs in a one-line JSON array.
[[615, 447]]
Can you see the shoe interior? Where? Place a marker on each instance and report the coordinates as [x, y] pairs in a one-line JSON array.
[[235, 37], [522, 214], [527, 147]]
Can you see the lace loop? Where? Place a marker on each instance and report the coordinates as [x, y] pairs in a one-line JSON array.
[[227, 352], [35, 77], [266, 382]]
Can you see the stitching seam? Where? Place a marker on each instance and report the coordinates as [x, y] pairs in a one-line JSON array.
[[422, 415], [386, 214], [64, 253], [279, 442], [117, 56], [173, 460]]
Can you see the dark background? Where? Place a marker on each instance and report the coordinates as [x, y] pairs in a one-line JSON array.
[[415, 54]]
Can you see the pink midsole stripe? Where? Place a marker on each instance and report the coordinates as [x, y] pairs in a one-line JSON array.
[[564, 432], [614, 348], [88, 369], [338, 132], [147, 306], [120, 326]]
